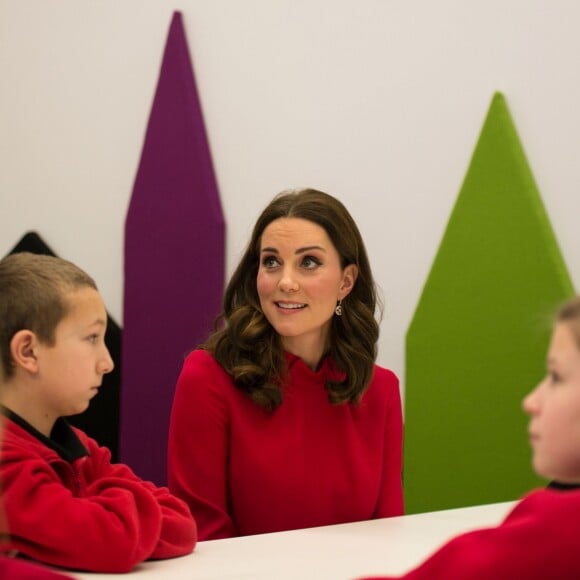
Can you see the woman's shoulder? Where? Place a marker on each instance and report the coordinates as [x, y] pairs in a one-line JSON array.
[[201, 361], [384, 376], [201, 376], [384, 386]]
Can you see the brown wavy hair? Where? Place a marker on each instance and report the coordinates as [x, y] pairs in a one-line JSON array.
[[247, 346]]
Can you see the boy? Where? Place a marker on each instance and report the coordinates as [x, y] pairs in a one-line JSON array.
[[66, 504]]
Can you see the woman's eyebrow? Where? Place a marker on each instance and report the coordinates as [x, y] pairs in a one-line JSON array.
[[309, 248]]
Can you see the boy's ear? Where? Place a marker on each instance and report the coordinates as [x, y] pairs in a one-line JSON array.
[[22, 349]]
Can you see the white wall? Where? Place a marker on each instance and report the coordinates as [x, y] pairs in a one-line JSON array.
[[378, 102]]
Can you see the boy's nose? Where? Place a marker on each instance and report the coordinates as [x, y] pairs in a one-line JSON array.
[[107, 364]]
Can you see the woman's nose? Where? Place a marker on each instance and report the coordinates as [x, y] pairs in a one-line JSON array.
[[288, 282]]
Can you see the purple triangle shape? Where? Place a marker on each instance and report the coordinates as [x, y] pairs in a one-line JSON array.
[[174, 259]]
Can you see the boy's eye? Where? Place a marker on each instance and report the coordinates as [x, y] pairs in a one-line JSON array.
[[554, 377]]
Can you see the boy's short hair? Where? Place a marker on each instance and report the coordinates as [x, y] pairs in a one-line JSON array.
[[32, 297]]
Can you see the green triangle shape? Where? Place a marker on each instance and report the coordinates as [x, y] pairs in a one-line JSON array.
[[478, 338]]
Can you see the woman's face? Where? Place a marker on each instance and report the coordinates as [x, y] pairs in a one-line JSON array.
[[299, 282], [554, 409]]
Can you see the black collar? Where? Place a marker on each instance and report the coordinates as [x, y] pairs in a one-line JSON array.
[[62, 438], [563, 486]]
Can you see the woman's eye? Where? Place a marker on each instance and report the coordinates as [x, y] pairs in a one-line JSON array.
[[93, 339], [310, 262], [270, 262], [554, 377]]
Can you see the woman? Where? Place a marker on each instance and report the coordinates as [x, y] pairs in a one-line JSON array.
[[282, 420], [539, 538]]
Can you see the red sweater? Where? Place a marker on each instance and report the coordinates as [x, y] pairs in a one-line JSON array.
[[539, 540], [67, 505], [243, 470], [12, 569]]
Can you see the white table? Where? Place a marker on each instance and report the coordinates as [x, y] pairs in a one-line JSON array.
[[340, 552]]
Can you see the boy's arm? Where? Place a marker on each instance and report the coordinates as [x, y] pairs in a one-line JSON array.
[[178, 533], [178, 529], [115, 523]]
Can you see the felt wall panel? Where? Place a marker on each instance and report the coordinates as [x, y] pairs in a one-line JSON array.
[[478, 338], [101, 420], [174, 259]]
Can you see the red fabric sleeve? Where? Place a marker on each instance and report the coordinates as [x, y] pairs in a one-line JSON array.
[[538, 540], [178, 534], [113, 522], [390, 502], [12, 569], [198, 446]]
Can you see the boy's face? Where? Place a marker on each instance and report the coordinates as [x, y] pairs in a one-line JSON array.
[[71, 371], [554, 409]]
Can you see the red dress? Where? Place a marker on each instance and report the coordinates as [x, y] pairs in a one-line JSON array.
[[243, 470]]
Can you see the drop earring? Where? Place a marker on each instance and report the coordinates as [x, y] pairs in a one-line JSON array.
[[338, 309]]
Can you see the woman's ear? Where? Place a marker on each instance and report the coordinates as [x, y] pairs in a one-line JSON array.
[[22, 349], [349, 277]]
